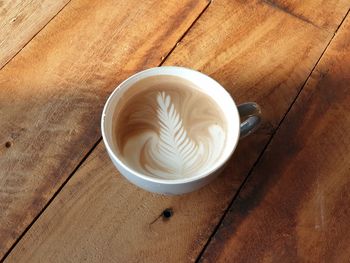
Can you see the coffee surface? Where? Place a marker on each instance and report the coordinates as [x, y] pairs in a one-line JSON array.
[[166, 127]]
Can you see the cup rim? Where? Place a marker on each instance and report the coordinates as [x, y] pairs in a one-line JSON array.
[[135, 173]]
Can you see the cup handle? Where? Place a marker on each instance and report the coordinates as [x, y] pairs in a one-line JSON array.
[[250, 112]]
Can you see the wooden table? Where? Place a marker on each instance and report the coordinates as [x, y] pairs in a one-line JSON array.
[[285, 195]]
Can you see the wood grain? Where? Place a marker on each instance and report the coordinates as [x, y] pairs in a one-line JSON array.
[[258, 53], [322, 14], [20, 20], [295, 207], [52, 93]]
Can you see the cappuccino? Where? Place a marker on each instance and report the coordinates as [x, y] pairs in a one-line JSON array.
[[167, 127]]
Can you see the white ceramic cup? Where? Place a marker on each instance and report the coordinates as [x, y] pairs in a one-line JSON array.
[[235, 130]]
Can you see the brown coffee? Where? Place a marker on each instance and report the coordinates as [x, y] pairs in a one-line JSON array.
[[166, 127]]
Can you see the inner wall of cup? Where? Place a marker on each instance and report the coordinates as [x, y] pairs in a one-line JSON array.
[[108, 126], [204, 83]]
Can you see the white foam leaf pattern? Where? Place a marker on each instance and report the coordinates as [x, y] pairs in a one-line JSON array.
[[177, 151], [170, 152]]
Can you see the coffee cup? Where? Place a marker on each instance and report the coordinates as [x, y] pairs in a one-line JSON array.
[[171, 130]]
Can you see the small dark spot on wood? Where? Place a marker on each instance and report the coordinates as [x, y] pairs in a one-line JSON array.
[[167, 213], [8, 144]]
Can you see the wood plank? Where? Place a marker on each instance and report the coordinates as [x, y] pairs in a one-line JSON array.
[[52, 93], [20, 20], [295, 207], [323, 14], [258, 53]]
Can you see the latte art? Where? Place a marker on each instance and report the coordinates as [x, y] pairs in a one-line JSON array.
[[167, 128]]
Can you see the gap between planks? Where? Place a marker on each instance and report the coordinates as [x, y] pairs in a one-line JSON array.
[[289, 12], [14, 55], [97, 142], [268, 143]]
